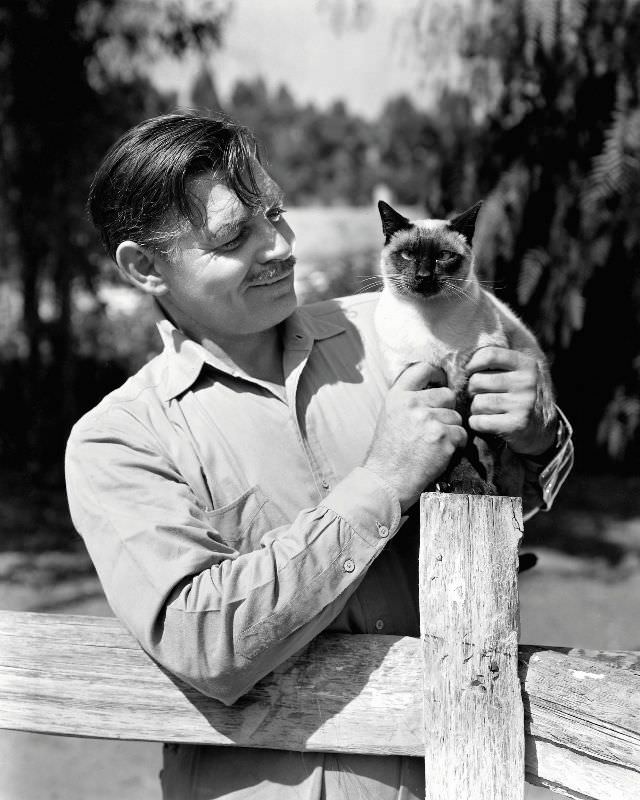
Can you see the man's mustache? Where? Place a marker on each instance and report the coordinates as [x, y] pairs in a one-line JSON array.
[[277, 269]]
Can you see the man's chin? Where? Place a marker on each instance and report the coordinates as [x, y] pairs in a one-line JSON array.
[[279, 312]]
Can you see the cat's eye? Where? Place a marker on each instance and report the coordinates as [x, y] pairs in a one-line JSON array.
[[405, 255], [446, 255]]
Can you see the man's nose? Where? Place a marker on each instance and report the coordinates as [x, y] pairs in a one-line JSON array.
[[277, 241]]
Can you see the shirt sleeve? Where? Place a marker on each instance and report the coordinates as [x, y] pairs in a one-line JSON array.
[[544, 477], [215, 618]]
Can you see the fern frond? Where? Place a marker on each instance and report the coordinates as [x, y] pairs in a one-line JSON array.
[[532, 268], [575, 308], [541, 18], [501, 219], [617, 168], [599, 250], [620, 424], [552, 20]]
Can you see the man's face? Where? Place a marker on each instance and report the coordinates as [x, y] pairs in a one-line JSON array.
[[233, 276]]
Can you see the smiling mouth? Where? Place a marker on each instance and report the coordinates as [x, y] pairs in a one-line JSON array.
[[268, 281]]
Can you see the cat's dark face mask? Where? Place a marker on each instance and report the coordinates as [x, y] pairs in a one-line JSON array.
[[427, 260]]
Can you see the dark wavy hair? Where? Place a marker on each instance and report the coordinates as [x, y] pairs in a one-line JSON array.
[[139, 191]]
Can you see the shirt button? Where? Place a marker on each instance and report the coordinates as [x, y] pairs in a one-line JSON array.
[[349, 565], [379, 624], [383, 531], [325, 483]]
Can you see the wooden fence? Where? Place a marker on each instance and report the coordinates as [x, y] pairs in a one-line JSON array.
[[486, 713]]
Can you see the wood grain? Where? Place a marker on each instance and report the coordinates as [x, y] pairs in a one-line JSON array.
[[473, 713], [87, 676]]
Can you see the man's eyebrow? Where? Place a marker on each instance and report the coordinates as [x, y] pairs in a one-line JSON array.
[[275, 198], [228, 228], [269, 200]]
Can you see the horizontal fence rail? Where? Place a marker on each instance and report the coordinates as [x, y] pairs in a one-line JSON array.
[[87, 676]]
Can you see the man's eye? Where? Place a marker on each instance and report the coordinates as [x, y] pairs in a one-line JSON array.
[[275, 214], [446, 255], [231, 244]]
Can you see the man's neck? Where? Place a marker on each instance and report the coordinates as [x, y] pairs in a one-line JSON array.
[[259, 355]]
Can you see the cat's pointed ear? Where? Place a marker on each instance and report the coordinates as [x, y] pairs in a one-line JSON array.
[[391, 220], [465, 223]]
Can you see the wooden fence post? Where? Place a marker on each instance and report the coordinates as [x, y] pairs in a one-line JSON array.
[[473, 713]]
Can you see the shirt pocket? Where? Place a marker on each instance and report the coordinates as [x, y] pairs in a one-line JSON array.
[[242, 523]]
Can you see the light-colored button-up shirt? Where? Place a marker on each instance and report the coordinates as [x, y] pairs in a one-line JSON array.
[[230, 525]]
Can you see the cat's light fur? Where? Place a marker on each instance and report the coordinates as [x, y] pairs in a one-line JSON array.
[[447, 328]]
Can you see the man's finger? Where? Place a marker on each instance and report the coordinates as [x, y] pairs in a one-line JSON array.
[[500, 424], [459, 436], [448, 416], [482, 382], [420, 375], [493, 358], [490, 404], [440, 397]]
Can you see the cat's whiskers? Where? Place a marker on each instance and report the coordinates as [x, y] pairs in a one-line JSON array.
[[370, 282], [381, 280], [490, 284], [456, 291]]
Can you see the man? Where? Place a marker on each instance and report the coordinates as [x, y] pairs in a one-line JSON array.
[[244, 490]]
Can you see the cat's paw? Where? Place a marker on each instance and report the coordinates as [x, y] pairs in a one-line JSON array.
[[469, 486], [526, 561], [464, 478]]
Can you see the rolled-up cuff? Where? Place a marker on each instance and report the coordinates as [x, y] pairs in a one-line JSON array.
[[551, 472], [368, 504]]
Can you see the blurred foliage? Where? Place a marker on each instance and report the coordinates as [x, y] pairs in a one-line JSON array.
[[333, 157], [319, 156], [562, 163], [70, 83]]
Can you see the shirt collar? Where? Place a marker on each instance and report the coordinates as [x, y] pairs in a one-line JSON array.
[[185, 358]]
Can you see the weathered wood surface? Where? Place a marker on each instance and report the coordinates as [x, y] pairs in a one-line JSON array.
[[86, 676], [473, 713], [589, 702]]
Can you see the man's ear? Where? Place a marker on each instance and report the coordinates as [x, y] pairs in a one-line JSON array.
[[137, 265]]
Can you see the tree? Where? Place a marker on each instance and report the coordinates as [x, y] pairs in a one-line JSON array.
[[320, 156], [204, 94], [571, 107], [554, 86], [72, 79]]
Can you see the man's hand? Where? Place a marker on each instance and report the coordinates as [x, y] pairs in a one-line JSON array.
[[505, 386], [417, 433]]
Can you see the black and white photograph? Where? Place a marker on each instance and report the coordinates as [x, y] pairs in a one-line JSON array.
[[319, 399]]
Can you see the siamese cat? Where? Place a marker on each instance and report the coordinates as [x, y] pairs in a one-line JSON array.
[[433, 308]]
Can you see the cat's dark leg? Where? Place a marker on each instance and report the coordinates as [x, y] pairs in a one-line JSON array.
[[477, 470], [472, 470]]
